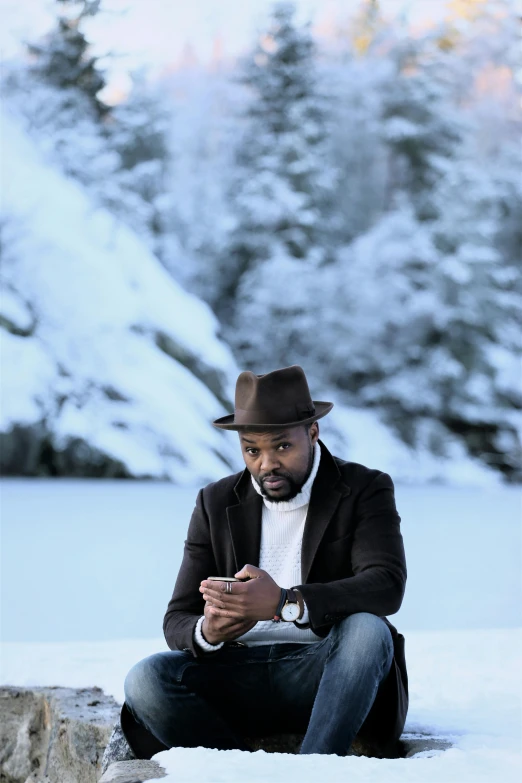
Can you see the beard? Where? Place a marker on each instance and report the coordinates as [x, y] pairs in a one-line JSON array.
[[294, 487]]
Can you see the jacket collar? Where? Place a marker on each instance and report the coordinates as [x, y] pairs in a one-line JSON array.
[[244, 518]]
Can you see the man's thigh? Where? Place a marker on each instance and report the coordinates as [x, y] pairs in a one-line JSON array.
[[260, 689]]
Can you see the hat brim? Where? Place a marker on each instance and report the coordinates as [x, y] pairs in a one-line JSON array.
[[227, 422]]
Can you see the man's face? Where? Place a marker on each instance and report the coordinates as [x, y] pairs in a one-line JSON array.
[[280, 461]]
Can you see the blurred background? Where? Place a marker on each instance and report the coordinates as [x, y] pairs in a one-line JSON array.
[[190, 190]]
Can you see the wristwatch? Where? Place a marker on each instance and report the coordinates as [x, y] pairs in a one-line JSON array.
[[291, 609]]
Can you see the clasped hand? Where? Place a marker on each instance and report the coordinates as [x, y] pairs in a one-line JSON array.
[[229, 615]]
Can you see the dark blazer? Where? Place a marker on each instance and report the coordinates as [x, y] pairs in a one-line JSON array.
[[352, 561]]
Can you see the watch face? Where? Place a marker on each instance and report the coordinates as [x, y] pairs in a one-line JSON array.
[[290, 612]]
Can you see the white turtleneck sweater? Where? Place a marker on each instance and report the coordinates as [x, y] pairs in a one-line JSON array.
[[282, 526]]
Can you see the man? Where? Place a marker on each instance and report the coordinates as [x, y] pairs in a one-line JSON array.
[[301, 644]]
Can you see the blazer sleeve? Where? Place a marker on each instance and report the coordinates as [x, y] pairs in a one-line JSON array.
[[186, 605], [377, 561]]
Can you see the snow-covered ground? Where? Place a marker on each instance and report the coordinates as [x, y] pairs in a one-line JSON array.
[[465, 686], [88, 567]]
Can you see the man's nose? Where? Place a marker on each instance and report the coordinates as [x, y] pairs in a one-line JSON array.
[[269, 462]]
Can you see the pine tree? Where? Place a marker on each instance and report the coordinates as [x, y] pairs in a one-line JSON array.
[[420, 124], [366, 26], [63, 59], [432, 337], [138, 132], [281, 193], [56, 94]]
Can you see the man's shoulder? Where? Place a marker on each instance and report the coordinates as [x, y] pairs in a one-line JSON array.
[[357, 475]]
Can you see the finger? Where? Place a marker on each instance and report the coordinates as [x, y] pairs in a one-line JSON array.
[[218, 595], [249, 571], [216, 602], [220, 587], [215, 611]]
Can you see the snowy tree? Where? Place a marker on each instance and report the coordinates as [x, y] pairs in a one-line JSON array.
[[120, 153], [139, 191], [419, 315], [281, 194], [64, 60], [432, 337], [56, 94], [420, 125], [366, 26]]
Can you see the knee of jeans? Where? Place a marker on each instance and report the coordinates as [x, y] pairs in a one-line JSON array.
[[365, 631], [141, 682]]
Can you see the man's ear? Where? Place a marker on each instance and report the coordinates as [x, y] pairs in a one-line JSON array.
[[314, 433]]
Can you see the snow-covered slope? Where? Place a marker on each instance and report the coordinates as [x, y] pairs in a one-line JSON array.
[[108, 366]]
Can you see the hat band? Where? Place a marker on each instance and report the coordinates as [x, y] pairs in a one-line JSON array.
[[281, 415]]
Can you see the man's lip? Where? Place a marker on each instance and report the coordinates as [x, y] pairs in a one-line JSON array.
[[273, 483]]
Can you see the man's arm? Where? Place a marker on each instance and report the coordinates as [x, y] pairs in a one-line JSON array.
[[186, 605], [186, 608], [377, 559]]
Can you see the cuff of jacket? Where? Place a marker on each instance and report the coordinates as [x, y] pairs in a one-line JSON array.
[[316, 598], [304, 621], [201, 641]]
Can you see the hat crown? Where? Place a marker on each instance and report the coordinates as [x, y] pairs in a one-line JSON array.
[[274, 398], [277, 400]]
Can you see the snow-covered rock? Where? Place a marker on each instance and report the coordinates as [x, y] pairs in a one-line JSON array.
[[108, 366], [132, 772]]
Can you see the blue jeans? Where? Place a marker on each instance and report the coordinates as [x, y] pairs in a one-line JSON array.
[[324, 689]]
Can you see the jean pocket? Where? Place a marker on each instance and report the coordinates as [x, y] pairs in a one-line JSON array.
[[182, 669]]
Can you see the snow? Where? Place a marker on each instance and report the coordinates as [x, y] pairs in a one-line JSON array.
[[464, 686], [92, 368]]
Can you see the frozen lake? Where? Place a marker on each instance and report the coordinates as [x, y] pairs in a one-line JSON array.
[[97, 560]]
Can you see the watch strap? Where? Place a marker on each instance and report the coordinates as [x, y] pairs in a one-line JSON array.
[[282, 600]]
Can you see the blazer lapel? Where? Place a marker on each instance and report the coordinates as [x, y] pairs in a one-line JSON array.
[[244, 522], [244, 519], [327, 491]]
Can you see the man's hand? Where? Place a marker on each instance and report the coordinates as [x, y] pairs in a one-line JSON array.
[[217, 629], [249, 601]]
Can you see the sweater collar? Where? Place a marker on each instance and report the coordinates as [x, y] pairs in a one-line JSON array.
[[303, 498]]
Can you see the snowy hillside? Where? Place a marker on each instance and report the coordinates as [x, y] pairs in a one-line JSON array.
[[108, 366]]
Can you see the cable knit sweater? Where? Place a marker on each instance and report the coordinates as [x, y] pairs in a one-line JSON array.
[[280, 555]]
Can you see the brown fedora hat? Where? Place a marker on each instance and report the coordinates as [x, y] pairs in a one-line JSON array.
[[278, 399]]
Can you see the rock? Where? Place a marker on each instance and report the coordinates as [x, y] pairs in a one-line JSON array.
[[134, 771], [54, 735], [117, 749], [428, 745], [408, 746], [276, 743]]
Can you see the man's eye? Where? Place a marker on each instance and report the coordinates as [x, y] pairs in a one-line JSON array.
[[284, 445], [252, 452]]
